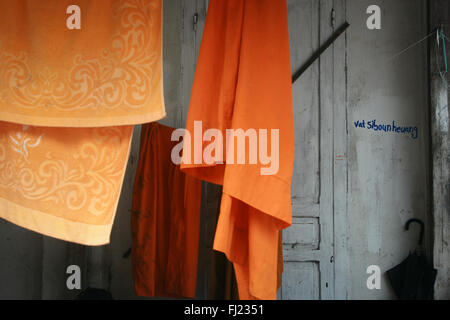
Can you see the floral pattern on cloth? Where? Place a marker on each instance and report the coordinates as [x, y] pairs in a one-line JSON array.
[[63, 174], [107, 73]]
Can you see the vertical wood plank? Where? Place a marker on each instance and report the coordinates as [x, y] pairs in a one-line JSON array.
[[439, 14], [188, 55], [304, 41], [172, 63], [301, 249], [340, 156], [326, 154], [310, 25]]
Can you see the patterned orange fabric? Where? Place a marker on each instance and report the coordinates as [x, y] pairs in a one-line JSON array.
[[165, 220], [68, 101], [243, 81], [63, 182], [107, 73]]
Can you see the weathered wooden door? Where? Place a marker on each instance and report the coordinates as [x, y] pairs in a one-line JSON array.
[[320, 131], [319, 95]]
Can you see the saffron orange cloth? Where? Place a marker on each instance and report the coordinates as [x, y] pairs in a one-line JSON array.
[[68, 100], [63, 182], [222, 282], [165, 220], [107, 73], [243, 81]]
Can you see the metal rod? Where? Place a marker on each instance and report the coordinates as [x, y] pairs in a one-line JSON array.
[[317, 54]]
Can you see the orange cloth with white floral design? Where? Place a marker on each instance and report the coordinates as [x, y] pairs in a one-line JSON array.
[[68, 101], [108, 72], [63, 182]]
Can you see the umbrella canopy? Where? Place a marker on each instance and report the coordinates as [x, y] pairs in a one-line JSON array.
[[413, 279]]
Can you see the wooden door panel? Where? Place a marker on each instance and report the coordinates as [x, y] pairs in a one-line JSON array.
[[308, 245], [304, 38], [304, 281], [304, 234]]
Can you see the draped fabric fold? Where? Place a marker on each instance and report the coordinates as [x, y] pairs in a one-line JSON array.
[[243, 81], [74, 79], [165, 220]]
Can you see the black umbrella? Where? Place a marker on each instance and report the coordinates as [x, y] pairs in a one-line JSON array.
[[414, 278]]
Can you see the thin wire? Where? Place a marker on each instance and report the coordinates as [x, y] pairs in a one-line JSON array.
[[442, 74], [411, 46]]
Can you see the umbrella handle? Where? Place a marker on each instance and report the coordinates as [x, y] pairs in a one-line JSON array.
[[422, 228]]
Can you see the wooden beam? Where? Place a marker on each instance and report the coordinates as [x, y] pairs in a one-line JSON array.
[[439, 16]]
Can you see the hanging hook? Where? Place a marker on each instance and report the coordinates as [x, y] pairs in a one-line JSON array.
[[437, 36], [422, 228]]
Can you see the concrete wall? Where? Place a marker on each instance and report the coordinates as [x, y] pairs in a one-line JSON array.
[[388, 176]]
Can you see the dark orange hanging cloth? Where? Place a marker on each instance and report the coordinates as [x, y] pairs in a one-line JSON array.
[[165, 220], [243, 81]]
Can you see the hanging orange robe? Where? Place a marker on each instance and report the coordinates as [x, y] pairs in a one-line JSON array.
[[243, 81], [68, 101], [165, 220]]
